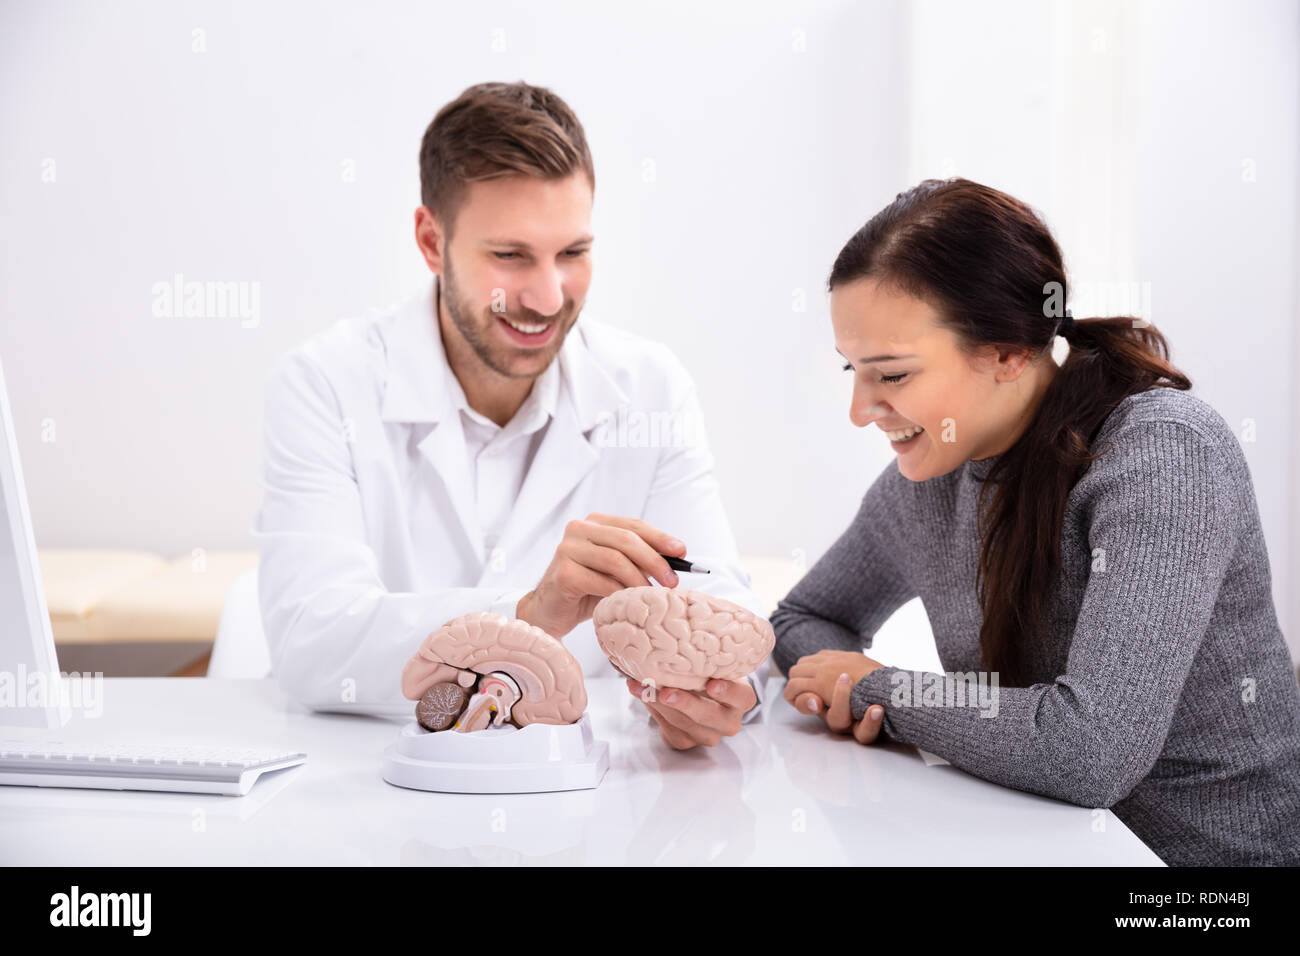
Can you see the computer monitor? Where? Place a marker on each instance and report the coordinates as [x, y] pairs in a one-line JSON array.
[[31, 687]]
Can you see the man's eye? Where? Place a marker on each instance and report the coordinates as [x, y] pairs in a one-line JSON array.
[[506, 255], [574, 253]]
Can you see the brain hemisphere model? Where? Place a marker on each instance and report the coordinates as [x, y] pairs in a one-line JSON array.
[[484, 669], [671, 637]]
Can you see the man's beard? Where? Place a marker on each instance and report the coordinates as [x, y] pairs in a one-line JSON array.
[[479, 333]]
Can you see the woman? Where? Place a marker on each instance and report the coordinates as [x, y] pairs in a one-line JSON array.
[[1084, 538]]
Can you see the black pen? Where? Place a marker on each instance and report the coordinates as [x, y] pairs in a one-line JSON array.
[[681, 564]]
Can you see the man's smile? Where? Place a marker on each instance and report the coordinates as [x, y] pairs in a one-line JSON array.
[[527, 334]]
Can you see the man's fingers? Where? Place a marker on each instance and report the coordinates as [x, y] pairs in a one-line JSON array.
[[661, 541], [736, 694], [866, 730], [576, 578], [636, 550], [683, 725], [695, 709], [672, 736], [700, 734], [838, 716], [607, 561]]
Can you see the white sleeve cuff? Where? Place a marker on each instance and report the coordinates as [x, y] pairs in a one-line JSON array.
[[508, 603], [758, 680], [758, 703]]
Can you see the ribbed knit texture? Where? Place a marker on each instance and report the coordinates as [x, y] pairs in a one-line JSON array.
[[1160, 683]]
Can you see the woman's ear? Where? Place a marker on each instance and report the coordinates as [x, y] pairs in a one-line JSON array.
[[1011, 363]]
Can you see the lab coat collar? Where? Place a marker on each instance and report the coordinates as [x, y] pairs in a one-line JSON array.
[[417, 390], [537, 409], [417, 387]]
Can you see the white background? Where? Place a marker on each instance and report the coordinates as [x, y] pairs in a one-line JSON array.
[[1158, 139]]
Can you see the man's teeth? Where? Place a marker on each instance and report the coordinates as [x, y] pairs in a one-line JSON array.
[[906, 433], [525, 327]]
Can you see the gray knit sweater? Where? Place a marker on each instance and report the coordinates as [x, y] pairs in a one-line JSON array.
[[1160, 687]]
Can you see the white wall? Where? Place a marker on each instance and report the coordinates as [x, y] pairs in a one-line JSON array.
[[1217, 206], [774, 129], [1159, 139]]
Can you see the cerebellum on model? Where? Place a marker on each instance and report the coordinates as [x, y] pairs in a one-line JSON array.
[[485, 670], [673, 637]]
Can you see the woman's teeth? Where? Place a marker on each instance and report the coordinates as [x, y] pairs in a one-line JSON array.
[[906, 433], [525, 327]]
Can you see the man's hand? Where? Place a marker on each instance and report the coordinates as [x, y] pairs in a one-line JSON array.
[[598, 556], [687, 719], [822, 683]]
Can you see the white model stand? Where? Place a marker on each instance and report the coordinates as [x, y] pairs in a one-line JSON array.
[[535, 759]]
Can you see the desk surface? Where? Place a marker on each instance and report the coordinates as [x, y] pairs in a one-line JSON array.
[[783, 791]]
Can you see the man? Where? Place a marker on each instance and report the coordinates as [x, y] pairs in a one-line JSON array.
[[478, 449]]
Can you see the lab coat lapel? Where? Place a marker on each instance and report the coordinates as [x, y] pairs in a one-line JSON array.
[[567, 453], [444, 448], [563, 459], [416, 393]]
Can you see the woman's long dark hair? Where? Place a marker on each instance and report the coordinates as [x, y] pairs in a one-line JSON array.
[[987, 263]]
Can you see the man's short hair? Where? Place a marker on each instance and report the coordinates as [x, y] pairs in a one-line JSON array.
[[493, 130]]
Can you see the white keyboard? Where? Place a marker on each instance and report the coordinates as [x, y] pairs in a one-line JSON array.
[[127, 765]]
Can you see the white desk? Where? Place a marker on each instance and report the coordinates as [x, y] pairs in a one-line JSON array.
[[783, 791]]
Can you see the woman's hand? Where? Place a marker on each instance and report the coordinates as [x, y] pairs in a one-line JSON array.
[[839, 717], [822, 683]]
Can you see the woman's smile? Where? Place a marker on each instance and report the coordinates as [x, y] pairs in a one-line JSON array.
[[906, 444]]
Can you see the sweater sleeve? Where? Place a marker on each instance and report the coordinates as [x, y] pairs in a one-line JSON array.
[[1164, 519], [847, 595]]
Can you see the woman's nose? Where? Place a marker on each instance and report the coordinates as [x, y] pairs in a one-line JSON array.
[[864, 410]]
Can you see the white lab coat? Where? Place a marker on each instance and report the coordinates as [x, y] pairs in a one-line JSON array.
[[368, 530]]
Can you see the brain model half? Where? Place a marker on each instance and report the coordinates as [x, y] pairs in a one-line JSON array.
[[486, 670], [671, 637]]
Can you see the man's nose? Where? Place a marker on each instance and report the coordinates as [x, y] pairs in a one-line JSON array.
[[544, 294]]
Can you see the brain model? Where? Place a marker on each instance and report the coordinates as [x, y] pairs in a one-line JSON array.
[[486, 670], [671, 637]]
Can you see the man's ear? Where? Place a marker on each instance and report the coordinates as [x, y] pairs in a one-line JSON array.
[[430, 238]]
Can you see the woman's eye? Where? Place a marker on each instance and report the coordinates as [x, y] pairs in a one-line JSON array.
[[574, 253], [886, 379]]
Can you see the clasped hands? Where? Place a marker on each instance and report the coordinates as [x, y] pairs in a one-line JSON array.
[[821, 684]]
